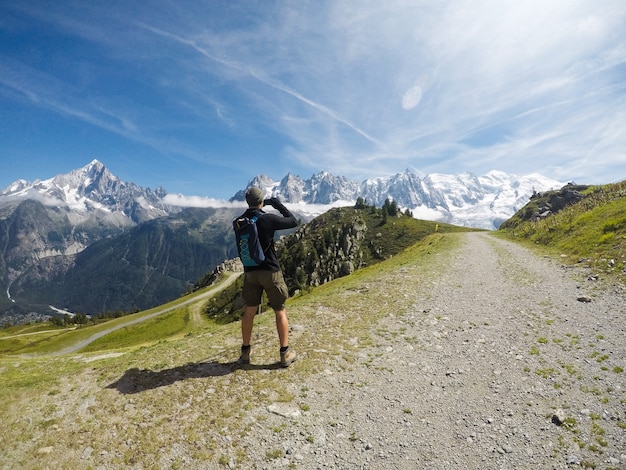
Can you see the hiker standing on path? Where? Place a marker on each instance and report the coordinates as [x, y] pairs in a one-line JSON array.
[[267, 276]]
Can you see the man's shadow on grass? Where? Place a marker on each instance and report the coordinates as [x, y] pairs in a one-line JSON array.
[[139, 380]]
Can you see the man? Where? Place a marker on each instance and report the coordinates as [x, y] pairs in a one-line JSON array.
[[267, 276]]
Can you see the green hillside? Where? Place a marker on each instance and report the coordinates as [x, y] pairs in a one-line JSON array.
[[130, 330], [346, 239], [591, 230]]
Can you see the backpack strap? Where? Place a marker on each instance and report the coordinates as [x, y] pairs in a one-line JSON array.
[[253, 219]]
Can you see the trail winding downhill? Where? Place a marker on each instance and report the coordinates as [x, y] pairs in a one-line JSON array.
[[209, 293]]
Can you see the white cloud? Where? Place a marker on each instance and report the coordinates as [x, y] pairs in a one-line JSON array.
[[198, 201], [32, 194], [206, 202], [480, 64]]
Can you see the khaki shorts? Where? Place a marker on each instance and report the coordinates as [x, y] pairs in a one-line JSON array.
[[273, 283]]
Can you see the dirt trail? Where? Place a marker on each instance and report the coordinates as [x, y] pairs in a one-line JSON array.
[[473, 375], [81, 344]]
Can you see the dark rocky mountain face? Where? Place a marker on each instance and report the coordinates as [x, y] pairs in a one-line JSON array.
[[140, 267], [67, 242], [149, 265]]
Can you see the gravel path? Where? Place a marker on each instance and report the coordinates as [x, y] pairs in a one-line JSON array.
[[497, 365]]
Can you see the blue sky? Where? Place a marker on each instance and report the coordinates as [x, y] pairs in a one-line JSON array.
[[200, 96]]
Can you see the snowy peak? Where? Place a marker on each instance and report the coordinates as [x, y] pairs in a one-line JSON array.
[[267, 185], [291, 188], [464, 199], [91, 180], [458, 191], [89, 185], [324, 188], [92, 192], [88, 190]]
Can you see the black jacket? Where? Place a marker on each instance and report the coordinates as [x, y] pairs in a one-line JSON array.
[[267, 225]]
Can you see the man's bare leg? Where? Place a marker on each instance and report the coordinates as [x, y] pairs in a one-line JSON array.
[[282, 326], [247, 322]]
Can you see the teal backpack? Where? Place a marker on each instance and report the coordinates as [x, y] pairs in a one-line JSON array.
[[248, 243]]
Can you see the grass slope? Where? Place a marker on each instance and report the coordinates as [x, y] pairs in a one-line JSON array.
[[45, 338], [592, 230]]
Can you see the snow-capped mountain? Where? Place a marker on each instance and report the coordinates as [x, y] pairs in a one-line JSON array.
[[92, 195], [464, 199], [90, 192], [322, 189], [488, 200]]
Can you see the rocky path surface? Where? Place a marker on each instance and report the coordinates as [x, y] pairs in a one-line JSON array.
[[506, 360]]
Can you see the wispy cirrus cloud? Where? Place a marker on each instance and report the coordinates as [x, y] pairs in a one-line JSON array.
[[356, 88]]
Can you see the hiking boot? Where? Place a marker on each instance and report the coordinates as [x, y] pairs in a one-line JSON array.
[[287, 357], [244, 359]]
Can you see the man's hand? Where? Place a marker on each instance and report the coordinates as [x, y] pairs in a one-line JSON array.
[[273, 201]]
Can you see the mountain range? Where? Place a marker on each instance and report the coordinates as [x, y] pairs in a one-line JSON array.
[[464, 199], [88, 242]]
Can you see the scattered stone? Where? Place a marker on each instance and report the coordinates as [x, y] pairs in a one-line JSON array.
[[45, 450], [559, 417], [572, 460], [284, 410], [87, 452], [583, 298]]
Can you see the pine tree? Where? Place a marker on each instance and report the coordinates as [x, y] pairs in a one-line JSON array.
[[360, 203]]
